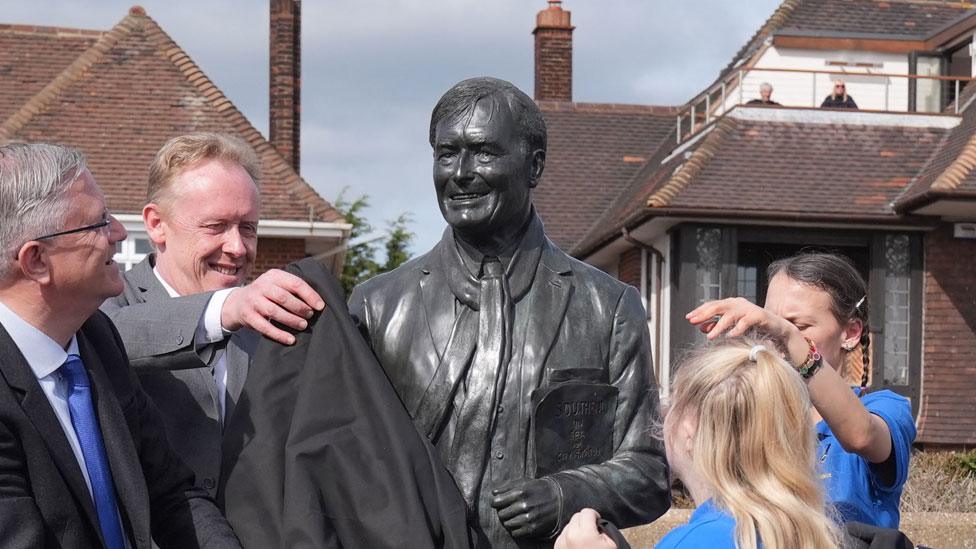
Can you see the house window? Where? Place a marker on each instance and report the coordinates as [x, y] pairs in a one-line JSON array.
[[708, 244], [747, 281], [897, 313], [132, 250]]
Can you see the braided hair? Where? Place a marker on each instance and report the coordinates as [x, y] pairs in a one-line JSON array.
[[836, 275]]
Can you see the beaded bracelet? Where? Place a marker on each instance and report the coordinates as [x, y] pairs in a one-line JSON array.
[[813, 362]]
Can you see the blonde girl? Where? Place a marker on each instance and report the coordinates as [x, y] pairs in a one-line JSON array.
[[738, 436]]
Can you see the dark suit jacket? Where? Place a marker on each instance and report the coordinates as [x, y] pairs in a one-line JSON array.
[[44, 501], [158, 333], [321, 452], [583, 325]]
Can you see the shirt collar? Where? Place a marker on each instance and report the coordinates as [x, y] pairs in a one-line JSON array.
[[43, 354], [706, 510], [169, 289]]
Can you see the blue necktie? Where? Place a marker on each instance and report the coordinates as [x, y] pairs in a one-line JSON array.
[[85, 422]]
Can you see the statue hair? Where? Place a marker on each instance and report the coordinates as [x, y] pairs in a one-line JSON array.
[[754, 444], [462, 97]]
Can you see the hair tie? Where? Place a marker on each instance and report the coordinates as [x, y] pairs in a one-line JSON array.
[[754, 352]]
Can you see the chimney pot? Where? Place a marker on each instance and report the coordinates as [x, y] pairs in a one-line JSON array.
[[553, 54]]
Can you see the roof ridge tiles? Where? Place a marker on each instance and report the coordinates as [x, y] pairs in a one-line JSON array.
[[693, 166], [630, 108], [19, 118], [20, 28]]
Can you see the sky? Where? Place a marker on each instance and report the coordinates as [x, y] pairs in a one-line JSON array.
[[372, 70]]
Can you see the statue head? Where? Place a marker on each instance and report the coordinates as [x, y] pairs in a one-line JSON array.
[[489, 142]]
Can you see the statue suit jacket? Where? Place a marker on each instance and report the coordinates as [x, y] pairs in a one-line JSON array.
[[582, 325], [158, 333], [44, 501]]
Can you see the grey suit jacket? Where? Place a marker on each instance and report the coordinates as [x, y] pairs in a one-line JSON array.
[[582, 325], [44, 501], [158, 334]]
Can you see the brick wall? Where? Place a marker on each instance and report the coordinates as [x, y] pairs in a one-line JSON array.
[[553, 54], [286, 67], [275, 253], [629, 267], [949, 332]]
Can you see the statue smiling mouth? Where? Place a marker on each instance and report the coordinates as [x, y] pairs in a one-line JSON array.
[[460, 197]]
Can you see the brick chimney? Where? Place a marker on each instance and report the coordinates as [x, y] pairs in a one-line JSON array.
[[553, 54], [285, 82]]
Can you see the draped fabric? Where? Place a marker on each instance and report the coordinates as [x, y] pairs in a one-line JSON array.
[[320, 452]]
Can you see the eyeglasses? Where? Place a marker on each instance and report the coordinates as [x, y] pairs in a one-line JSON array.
[[840, 86], [106, 220]]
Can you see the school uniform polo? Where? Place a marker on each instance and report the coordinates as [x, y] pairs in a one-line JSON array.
[[709, 526], [851, 483]]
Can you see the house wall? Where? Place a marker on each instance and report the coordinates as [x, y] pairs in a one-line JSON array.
[[798, 90], [629, 268], [275, 253], [949, 341]]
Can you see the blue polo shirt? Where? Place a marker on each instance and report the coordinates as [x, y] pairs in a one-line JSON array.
[[708, 527], [851, 483]]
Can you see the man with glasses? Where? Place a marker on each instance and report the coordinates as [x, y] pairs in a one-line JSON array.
[[84, 460], [838, 98], [187, 318]]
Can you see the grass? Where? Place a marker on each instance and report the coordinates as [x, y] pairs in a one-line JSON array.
[[940, 481]]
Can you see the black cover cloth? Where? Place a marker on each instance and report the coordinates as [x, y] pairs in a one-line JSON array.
[[320, 451]]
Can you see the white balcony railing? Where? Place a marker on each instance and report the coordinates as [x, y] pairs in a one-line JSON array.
[[872, 91]]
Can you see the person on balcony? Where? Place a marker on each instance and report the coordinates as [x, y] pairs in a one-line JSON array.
[[765, 95], [838, 98]]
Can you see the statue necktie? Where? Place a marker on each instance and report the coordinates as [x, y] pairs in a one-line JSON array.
[[85, 422], [485, 380]]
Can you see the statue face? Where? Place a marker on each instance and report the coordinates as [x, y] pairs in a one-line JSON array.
[[483, 173]]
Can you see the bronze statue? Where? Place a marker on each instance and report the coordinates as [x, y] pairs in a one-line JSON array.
[[528, 370]]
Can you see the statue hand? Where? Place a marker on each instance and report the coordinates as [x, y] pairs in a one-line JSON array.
[[527, 507]]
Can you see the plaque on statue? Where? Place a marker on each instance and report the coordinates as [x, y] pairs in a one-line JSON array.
[[573, 425]]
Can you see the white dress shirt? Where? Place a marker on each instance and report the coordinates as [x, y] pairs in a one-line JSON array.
[[209, 330]]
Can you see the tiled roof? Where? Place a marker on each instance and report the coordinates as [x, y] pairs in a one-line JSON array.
[[594, 151], [895, 18], [31, 57], [774, 169], [951, 170], [118, 96]]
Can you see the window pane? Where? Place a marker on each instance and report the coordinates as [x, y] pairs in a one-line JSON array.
[[896, 312], [746, 282], [708, 275]]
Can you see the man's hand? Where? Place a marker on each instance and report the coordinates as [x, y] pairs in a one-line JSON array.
[[527, 507], [582, 532], [275, 295]]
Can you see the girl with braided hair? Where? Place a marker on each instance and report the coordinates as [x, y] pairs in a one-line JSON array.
[[816, 311]]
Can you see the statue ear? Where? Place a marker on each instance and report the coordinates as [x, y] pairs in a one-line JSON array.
[[538, 165]]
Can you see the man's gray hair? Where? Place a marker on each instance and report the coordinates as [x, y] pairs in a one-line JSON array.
[[34, 180]]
